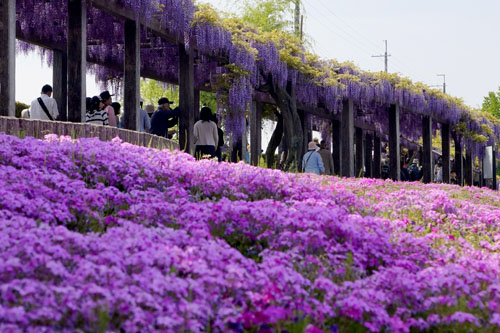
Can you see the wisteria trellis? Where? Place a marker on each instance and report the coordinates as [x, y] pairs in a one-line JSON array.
[[201, 29]]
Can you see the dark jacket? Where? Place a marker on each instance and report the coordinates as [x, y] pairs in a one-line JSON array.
[[162, 120]]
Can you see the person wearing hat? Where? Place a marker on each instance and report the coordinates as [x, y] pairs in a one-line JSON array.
[[164, 118], [107, 100], [312, 161]]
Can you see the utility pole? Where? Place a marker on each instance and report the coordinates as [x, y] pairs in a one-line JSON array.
[[297, 18], [386, 57], [444, 82]]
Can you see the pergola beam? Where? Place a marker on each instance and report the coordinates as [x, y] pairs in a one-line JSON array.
[[153, 24]]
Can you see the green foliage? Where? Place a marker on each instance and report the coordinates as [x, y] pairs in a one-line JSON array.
[[20, 107], [152, 90], [208, 99], [491, 104], [268, 15]]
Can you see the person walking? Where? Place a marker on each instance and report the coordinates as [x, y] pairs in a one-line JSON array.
[[312, 162], [438, 172], [164, 118], [326, 157], [96, 115], [220, 133], [44, 107], [145, 121], [107, 100], [206, 137]]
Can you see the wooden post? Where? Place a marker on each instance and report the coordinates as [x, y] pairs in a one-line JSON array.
[[377, 156], [469, 169], [368, 155], [336, 146], [8, 58], [427, 149], [197, 105], [60, 82], [132, 75], [358, 170], [186, 99], [305, 129], [77, 59], [394, 145], [459, 167], [244, 141], [347, 137], [445, 139], [256, 133]]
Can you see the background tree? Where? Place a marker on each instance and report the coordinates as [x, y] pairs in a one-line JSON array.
[[491, 103], [268, 15], [152, 90]]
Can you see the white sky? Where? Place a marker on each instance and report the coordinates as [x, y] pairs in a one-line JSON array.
[[459, 38]]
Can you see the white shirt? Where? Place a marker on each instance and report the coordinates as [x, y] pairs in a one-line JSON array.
[[36, 111], [205, 133]]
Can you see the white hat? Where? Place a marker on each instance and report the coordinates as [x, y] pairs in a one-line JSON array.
[[312, 146]]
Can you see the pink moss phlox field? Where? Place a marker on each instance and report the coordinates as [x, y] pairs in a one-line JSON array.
[[107, 236]]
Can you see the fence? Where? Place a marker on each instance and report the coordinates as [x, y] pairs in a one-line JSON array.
[[39, 128]]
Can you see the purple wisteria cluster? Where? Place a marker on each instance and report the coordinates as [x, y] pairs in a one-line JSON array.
[[107, 236], [215, 45]]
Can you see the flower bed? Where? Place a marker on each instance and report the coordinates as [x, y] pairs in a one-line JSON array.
[[107, 236]]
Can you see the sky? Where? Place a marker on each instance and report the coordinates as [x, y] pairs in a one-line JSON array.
[[458, 38]]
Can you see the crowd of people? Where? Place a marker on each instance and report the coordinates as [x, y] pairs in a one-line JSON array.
[[208, 136], [103, 111]]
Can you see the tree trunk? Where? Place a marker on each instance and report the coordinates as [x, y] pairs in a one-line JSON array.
[[275, 141], [285, 99]]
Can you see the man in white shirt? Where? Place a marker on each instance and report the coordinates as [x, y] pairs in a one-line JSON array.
[[36, 110]]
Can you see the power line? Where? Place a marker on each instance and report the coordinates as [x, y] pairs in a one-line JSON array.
[[400, 66]]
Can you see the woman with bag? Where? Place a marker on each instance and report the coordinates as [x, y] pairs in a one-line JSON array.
[[312, 161]]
